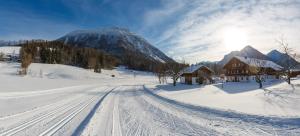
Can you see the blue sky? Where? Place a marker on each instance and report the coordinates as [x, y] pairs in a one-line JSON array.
[[190, 30]]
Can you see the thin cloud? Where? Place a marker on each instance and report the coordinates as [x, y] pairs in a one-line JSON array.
[[201, 26], [156, 16]]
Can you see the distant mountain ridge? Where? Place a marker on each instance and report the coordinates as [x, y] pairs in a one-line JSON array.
[[274, 55], [115, 41], [248, 51], [282, 59]]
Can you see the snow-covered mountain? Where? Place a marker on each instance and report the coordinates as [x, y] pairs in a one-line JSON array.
[[115, 41], [248, 51], [282, 59]]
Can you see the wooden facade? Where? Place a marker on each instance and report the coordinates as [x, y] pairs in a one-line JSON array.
[[201, 75], [237, 70], [295, 72]]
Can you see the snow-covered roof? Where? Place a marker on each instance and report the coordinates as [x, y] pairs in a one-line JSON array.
[[194, 68], [295, 70], [259, 63]]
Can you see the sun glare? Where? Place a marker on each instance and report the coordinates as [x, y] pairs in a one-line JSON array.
[[234, 38]]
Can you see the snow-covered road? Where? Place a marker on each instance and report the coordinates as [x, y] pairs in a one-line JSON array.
[[125, 110]]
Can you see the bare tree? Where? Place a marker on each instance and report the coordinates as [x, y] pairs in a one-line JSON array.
[[201, 77], [174, 70], [1, 56], [97, 68], [161, 73], [259, 70], [223, 78], [289, 52], [26, 60]]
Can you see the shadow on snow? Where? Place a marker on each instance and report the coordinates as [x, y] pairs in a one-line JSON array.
[[263, 120]]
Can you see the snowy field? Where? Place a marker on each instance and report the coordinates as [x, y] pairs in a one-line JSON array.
[[65, 100], [10, 50], [277, 98]]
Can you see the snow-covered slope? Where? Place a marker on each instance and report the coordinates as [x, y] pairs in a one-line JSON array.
[[248, 51], [276, 99], [282, 59], [49, 76], [116, 41], [67, 100]]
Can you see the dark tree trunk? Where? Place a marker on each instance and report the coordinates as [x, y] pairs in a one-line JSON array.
[[289, 77], [174, 82], [260, 84]]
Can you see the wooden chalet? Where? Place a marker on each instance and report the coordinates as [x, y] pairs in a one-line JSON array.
[[196, 74], [295, 72], [244, 69]]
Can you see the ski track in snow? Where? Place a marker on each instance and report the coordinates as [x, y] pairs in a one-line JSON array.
[[134, 111]]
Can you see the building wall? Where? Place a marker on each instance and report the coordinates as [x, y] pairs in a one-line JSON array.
[[237, 71], [182, 80], [248, 78], [194, 80], [191, 78]]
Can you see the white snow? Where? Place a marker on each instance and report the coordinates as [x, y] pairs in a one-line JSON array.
[[276, 99], [66, 100], [193, 68], [259, 63], [10, 50]]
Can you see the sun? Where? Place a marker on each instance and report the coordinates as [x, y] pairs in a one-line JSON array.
[[234, 38]]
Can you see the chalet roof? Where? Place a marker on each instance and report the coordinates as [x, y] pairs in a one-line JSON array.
[[194, 68], [295, 70], [259, 63]]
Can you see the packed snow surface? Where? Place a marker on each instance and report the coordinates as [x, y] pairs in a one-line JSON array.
[[10, 50], [65, 100], [276, 99]]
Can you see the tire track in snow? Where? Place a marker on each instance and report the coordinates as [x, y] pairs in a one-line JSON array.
[[67, 110], [67, 118], [116, 128], [63, 108], [142, 118], [88, 118], [53, 129], [40, 108], [235, 124]]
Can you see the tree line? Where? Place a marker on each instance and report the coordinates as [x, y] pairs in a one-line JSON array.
[[169, 69], [56, 52]]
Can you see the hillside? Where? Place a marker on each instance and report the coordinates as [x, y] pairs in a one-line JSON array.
[[116, 41], [248, 51], [282, 59]]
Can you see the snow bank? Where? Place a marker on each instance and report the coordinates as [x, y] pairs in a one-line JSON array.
[[277, 99], [50, 76], [57, 71]]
